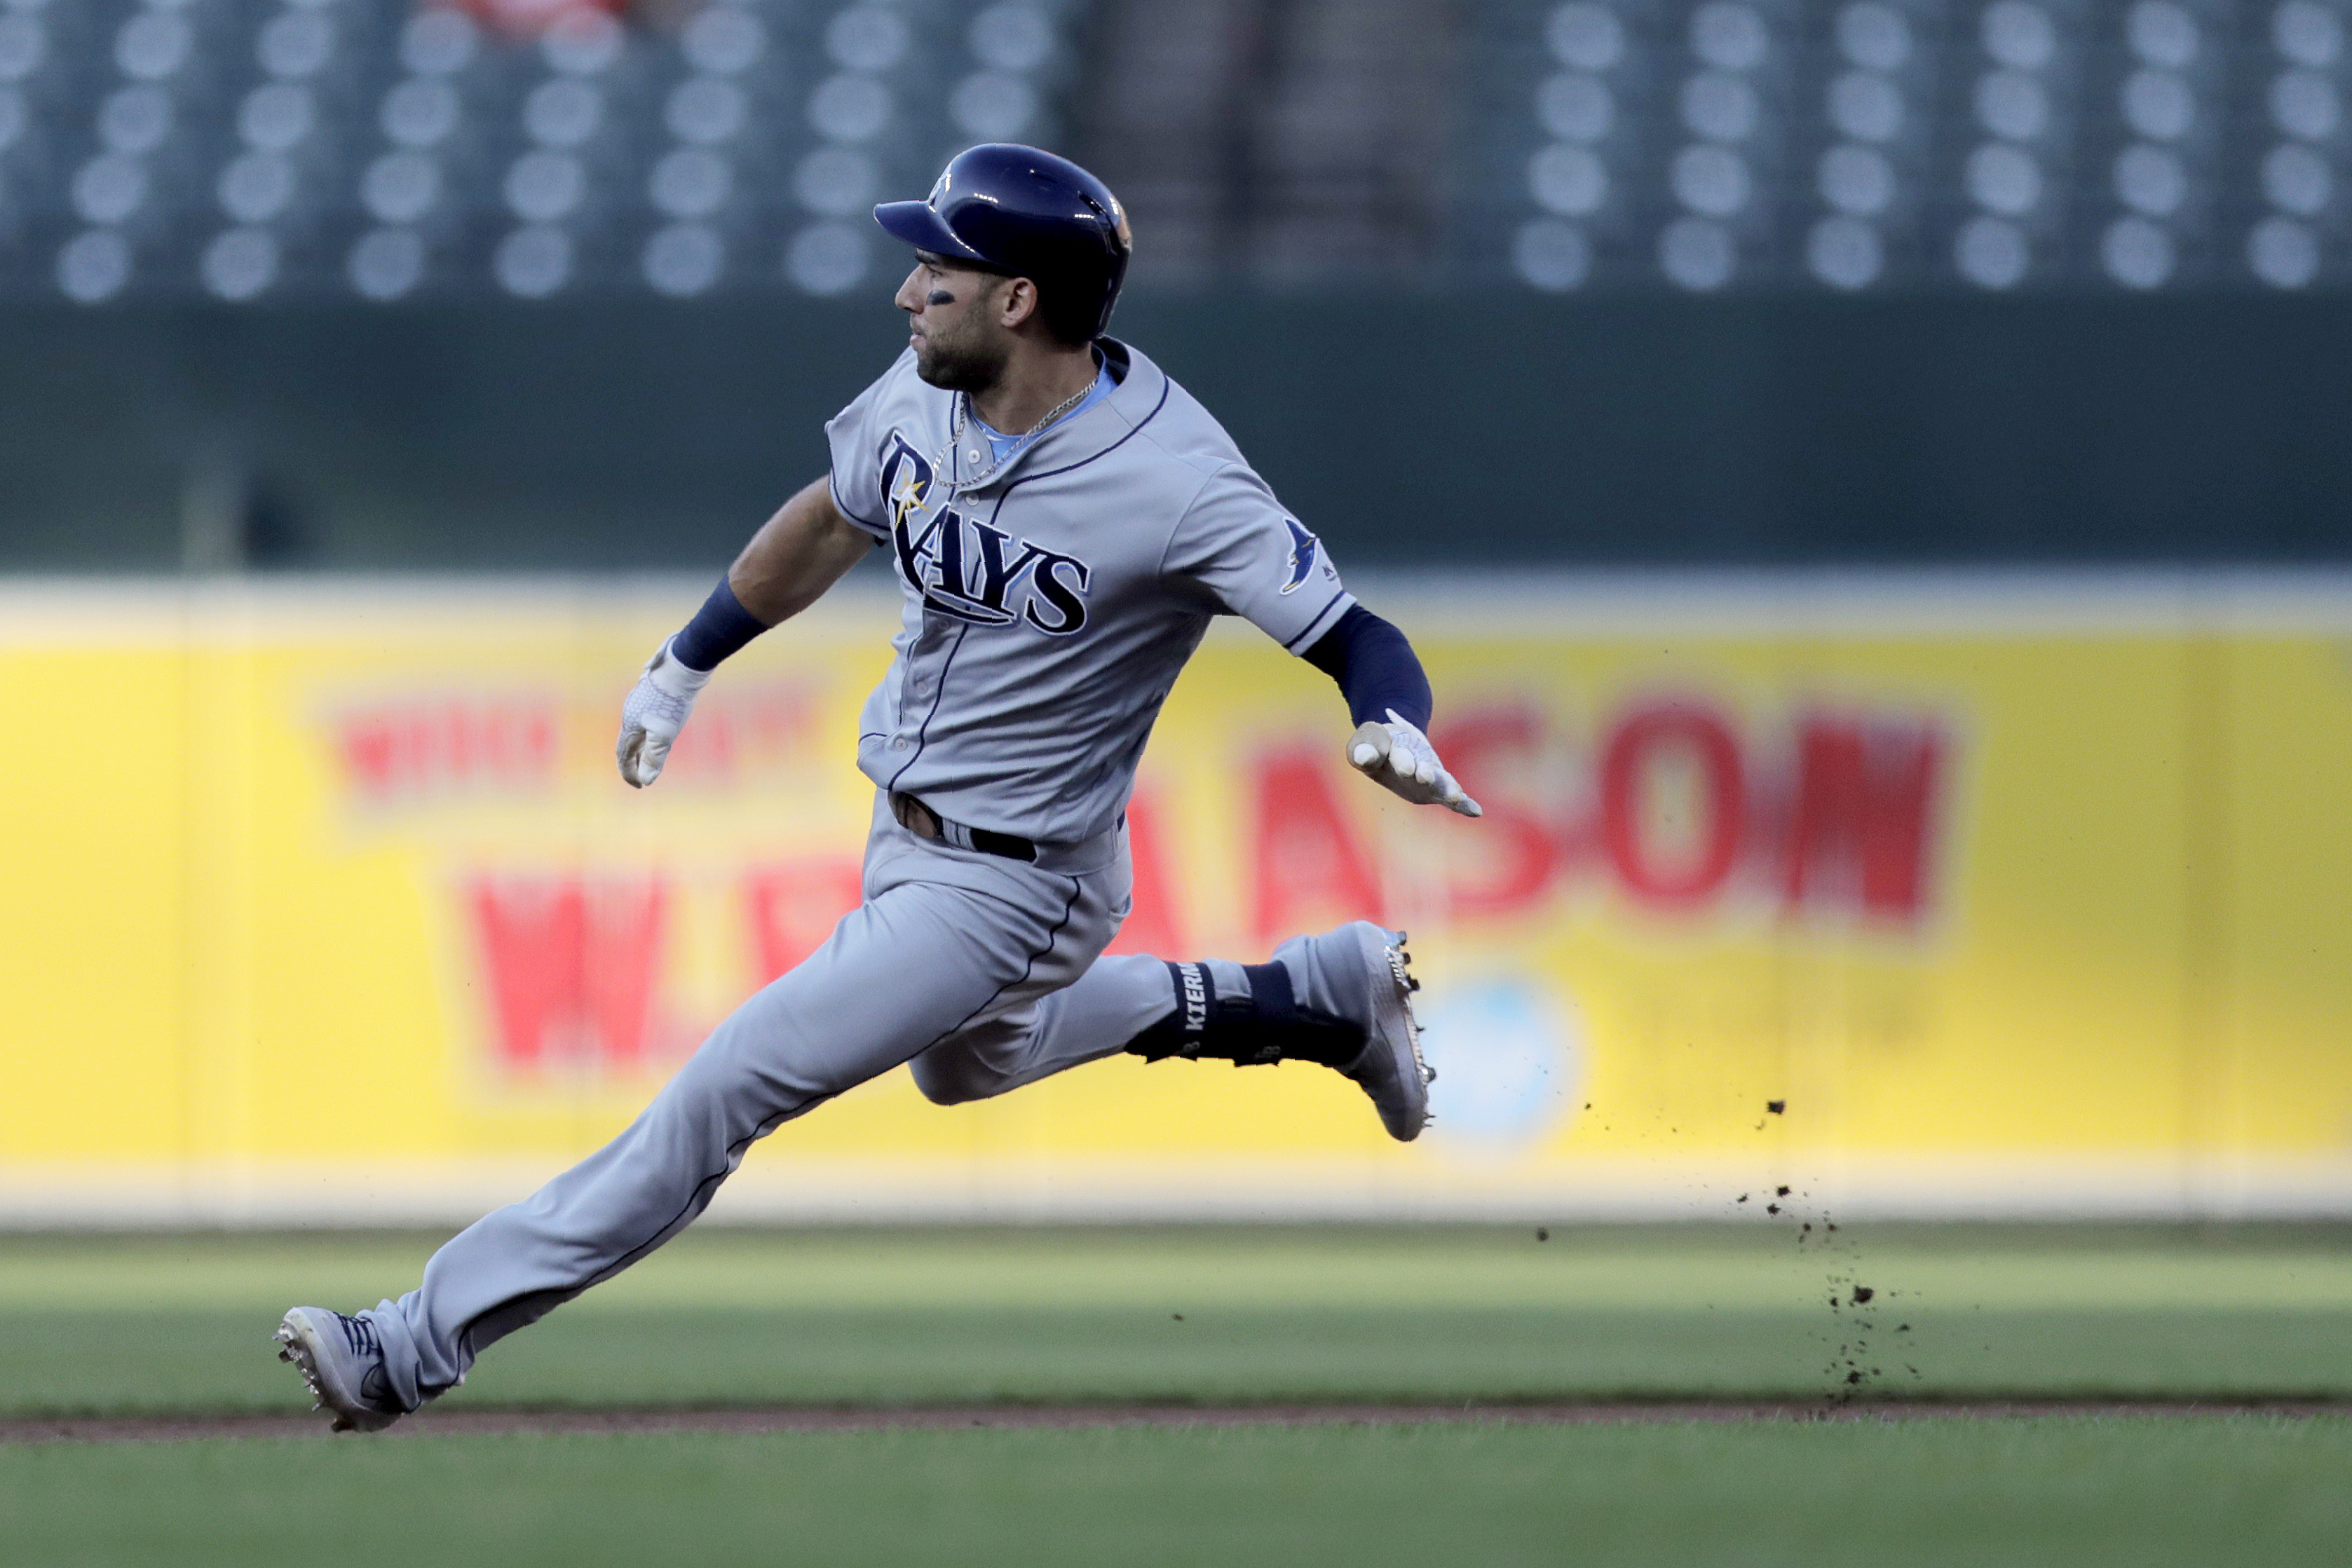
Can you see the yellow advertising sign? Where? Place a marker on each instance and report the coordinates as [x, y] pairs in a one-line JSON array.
[[327, 902]]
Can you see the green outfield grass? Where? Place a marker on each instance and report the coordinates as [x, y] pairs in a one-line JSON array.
[[2201, 1492], [138, 1325], [163, 1325]]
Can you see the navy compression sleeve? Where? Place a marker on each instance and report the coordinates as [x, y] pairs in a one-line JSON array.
[[1376, 668], [720, 627]]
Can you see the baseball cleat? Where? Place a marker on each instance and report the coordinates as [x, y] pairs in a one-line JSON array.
[[1363, 972], [340, 1359]]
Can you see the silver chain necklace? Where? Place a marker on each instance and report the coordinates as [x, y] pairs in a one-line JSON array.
[[1020, 444]]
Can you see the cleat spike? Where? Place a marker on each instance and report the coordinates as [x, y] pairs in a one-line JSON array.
[[304, 1346], [1410, 1111]]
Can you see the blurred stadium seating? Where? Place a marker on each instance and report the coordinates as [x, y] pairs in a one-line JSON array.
[[256, 150], [543, 284], [2133, 144], [266, 149]]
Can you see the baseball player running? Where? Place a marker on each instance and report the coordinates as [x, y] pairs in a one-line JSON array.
[[1065, 519]]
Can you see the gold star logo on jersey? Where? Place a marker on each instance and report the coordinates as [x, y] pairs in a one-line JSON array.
[[907, 489]]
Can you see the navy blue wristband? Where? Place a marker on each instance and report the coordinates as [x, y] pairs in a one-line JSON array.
[[722, 626], [1376, 668]]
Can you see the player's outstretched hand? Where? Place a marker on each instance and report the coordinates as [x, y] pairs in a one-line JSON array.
[[653, 715], [1400, 757]]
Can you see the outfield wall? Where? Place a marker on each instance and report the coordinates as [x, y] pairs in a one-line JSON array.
[[2024, 895]]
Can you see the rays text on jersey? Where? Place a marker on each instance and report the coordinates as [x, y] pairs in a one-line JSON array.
[[969, 570]]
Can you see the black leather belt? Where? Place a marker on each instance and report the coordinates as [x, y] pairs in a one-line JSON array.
[[925, 823]]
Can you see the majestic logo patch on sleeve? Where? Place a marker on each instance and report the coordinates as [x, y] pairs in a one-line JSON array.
[[1303, 546]]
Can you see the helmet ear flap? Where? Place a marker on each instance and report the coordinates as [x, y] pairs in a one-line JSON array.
[[1070, 314]]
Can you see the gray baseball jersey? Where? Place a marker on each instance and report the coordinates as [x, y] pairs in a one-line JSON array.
[[1051, 602]]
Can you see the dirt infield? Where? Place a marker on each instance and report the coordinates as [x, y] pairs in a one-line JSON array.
[[22, 1431]]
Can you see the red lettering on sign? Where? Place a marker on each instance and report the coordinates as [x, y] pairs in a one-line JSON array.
[[1491, 753], [571, 965], [1645, 742], [1309, 863], [1860, 823], [794, 906], [742, 731], [704, 752], [1151, 925], [443, 746]]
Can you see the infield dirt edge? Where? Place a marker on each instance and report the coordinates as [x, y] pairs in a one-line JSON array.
[[20, 1431]]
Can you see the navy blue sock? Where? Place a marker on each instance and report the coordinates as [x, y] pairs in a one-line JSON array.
[[1265, 1027]]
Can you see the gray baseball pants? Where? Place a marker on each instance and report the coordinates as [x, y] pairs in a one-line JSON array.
[[985, 973]]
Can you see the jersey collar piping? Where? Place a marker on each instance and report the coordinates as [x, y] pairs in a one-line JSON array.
[[1140, 394]]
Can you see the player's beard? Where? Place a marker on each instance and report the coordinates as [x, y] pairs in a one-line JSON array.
[[972, 360]]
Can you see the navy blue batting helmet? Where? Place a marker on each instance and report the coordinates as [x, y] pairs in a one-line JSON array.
[[1018, 210]]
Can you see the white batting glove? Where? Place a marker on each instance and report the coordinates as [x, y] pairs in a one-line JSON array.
[[1400, 758], [653, 715]]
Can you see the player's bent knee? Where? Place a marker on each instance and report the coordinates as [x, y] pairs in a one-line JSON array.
[[953, 1078], [940, 1084]]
